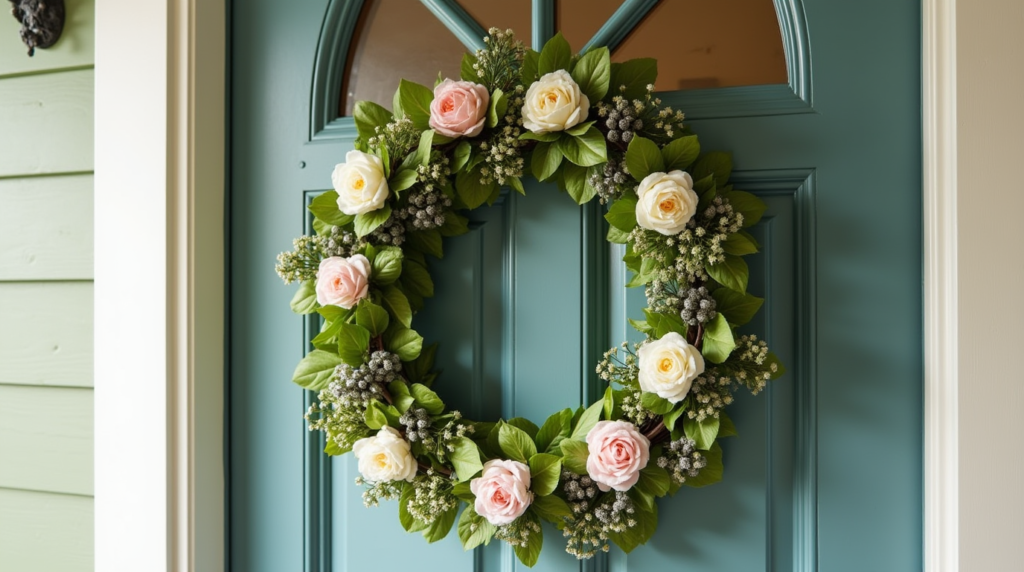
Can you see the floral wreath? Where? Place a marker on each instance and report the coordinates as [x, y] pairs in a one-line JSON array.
[[594, 472]]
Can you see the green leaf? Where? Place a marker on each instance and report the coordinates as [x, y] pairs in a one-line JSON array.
[[441, 526], [671, 417], [426, 241], [461, 156], [353, 343], [635, 75], [712, 473], [525, 424], [416, 278], [472, 192], [609, 403], [427, 399], [655, 480], [334, 449], [738, 307], [556, 55], [530, 553], [579, 128], [544, 472], [454, 224], [400, 395], [590, 418], [496, 107], [752, 207], [622, 214], [387, 265], [616, 236], [664, 323], [646, 523], [474, 529], [374, 416], [516, 184], [406, 343], [643, 158], [739, 244], [372, 317], [466, 72], [315, 370], [419, 368], [415, 100], [575, 178], [368, 117], [551, 508], [780, 370], [325, 208], [320, 227], [368, 222], [515, 443], [726, 428], [731, 273], [528, 73], [546, 137], [703, 432], [423, 149], [402, 179], [680, 153], [554, 430], [593, 72], [574, 455], [718, 340], [655, 404], [545, 160], [642, 326], [715, 163], [465, 458], [398, 305], [409, 523], [585, 150], [304, 300]]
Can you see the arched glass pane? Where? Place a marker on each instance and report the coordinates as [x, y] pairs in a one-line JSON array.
[[579, 20], [701, 44], [394, 40], [502, 14]]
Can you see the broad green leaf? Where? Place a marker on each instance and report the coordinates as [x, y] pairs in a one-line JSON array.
[[655, 404], [655, 480], [726, 428], [466, 72], [516, 184], [635, 75], [415, 100], [579, 128], [574, 455], [334, 449], [528, 73], [642, 326], [398, 305], [409, 523], [646, 523], [738, 307], [593, 73], [556, 55], [712, 473], [304, 300], [427, 399], [751, 206], [515, 443], [321, 228], [496, 107], [368, 117], [368, 222], [545, 160], [419, 368], [554, 430], [551, 508], [474, 529], [416, 278], [400, 395], [616, 236], [530, 553], [465, 458], [454, 224], [374, 416], [671, 417], [575, 178], [315, 370], [325, 208], [664, 323], [327, 333], [717, 163], [426, 241], [731, 273], [353, 343], [387, 265], [461, 156], [608, 403], [703, 432], [546, 137], [718, 340], [402, 179], [406, 343], [779, 368], [680, 153], [739, 244], [441, 526], [643, 158], [372, 317], [472, 192], [544, 472], [622, 214], [585, 150], [590, 418], [423, 149], [526, 425]]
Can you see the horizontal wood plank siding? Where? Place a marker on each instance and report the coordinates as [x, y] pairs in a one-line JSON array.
[[46, 532], [46, 333], [47, 228], [46, 439], [73, 49], [46, 123]]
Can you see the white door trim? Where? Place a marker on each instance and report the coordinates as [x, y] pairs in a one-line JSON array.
[[159, 289], [159, 302]]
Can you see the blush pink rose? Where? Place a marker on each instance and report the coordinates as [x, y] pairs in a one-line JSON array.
[[459, 108], [617, 453], [342, 281], [502, 491]]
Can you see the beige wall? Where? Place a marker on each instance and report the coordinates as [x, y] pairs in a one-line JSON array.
[[46, 296], [990, 123]]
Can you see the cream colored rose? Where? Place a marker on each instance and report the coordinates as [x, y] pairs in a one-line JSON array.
[[385, 457], [668, 366], [360, 183], [667, 202], [554, 103]]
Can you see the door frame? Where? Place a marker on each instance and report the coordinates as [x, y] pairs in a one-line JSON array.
[[161, 494]]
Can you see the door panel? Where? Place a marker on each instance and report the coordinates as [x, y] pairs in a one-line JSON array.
[[826, 472]]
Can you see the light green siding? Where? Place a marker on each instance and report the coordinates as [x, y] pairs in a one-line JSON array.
[[46, 291]]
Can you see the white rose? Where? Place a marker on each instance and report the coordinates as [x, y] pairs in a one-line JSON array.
[[360, 183], [667, 202], [554, 103], [668, 366], [385, 457]]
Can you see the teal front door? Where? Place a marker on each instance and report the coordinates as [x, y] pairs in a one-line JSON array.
[[826, 471]]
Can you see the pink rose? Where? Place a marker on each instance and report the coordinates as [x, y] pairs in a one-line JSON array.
[[459, 108], [342, 281], [502, 491], [617, 453]]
